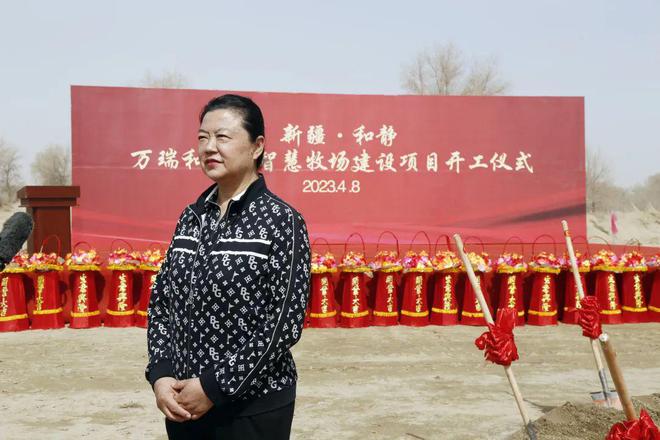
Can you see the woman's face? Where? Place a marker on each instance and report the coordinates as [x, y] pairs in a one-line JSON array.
[[225, 149]]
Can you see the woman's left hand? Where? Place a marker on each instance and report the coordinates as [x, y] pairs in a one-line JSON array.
[[192, 397]]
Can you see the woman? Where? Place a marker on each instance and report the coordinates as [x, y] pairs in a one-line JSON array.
[[229, 300]]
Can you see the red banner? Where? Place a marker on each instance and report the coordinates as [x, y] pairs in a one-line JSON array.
[[490, 167]]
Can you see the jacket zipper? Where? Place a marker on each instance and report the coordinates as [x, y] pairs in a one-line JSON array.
[[189, 301]]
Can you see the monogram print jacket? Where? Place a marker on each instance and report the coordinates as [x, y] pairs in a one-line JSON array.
[[230, 298]]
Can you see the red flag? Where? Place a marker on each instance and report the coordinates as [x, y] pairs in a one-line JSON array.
[[613, 226]]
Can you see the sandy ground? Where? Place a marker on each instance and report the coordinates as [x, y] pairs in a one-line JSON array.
[[374, 383], [586, 421]]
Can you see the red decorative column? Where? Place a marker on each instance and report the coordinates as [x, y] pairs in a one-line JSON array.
[[121, 305], [654, 298], [543, 309], [151, 260], [471, 311], [510, 268], [354, 307], [13, 304], [48, 304], [633, 300], [387, 267], [444, 305]]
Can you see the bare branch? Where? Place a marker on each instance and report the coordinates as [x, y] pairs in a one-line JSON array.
[[52, 166], [598, 171], [442, 71], [167, 80], [602, 194], [647, 195], [414, 76], [447, 62], [483, 80], [10, 177]]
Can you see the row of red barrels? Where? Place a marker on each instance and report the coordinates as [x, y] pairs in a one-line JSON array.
[[83, 298], [117, 298], [358, 299]]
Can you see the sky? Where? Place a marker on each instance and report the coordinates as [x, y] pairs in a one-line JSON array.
[[607, 51]]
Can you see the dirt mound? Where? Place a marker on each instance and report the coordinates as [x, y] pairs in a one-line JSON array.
[[586, 422]]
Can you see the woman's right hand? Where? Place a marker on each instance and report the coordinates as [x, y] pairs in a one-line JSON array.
[[165, 393]]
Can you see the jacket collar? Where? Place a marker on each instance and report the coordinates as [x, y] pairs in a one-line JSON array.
[[253, 191]]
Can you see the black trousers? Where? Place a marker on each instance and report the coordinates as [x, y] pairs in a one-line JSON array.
[[222, 425]]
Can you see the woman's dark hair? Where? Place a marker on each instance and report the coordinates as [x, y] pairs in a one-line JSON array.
[[253, 119]]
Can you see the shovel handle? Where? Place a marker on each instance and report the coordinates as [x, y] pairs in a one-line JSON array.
[[602, 375], [473, 279], [578, 284], [519, 401], [617, 377], [489, 319], [571, 254]]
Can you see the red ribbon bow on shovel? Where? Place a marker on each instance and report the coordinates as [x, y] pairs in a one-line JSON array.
[[589, 317], [640, 429], [498, 343]]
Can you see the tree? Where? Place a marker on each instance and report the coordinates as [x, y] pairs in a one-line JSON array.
[[647, 195], [167, 80], [483, 79], [52, 166], [602, 194], [10, 177], [653, 190], [598, 171], [443, 71]]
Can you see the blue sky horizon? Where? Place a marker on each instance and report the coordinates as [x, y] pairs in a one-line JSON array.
[[602, 50]]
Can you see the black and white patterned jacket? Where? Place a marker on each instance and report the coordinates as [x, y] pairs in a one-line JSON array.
[[230, 298]]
